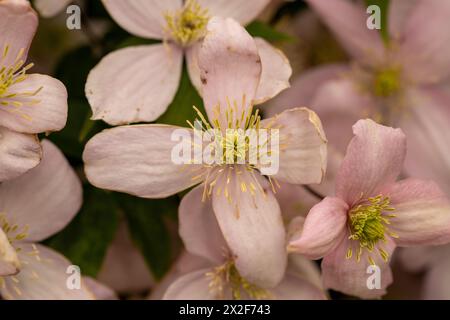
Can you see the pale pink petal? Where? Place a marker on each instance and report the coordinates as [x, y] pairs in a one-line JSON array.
[[192, 65], [186, 263], [294, 200], [323, 229], [99, 290], [303, 146], [295, 288], [138, 160], [425, 52], [50, 8], [374, 160], [135, 84], [427, 127], [43, 112], [230, 68], [350, 276], [420, 258], [198, 228], [304, 268], [252, 226], [398, 14], [340, 104], [349, 22], [18, 24], [143, 18], [18, 153], [192, 286], [46, 198], [276, 71], [9, 262], [436, 281], [242, 11], [304, 88], [43, 277], [422, 213], [124, 268]]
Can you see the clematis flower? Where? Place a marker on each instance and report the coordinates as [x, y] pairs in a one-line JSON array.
[[138, 159], [398, 82], [214, 273], [137, 84], [372, 213], [33, 207], [29, 103]]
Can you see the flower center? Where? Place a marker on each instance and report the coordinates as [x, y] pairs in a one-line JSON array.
[[387, 82], [226, 277], [368, 225], [187, 24], [13, 231], [12, 75]]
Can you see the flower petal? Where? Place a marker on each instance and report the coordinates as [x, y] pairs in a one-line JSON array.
[[192, 65], [425, 50], [138, 160], [252, 227], [276, 71], [18, 153], [398, 14], [295, 288], [99, 290], [45, 111], [18, 24], [422, 213], [50, 8], [242, 11], [123, 268], [191, 286], [323, 229], [143, 18], [230, 68], [134, 84], [427, 126], [294, 200], [198, 228], [304, 88], [43, 277], [374, 160], [9, 262], [303, 146], [436, 281], [45, 198], [349, 22], [351, 277]]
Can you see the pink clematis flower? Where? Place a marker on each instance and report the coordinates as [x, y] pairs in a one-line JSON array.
[[33, 207], [212, 272], [137, 84], [399, 83], [138, 159], [29, 103], [371, 213]]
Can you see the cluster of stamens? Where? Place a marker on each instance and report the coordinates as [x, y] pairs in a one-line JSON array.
[[368, 223], [386, 82], [232, 143], [187, 24], [13, 74], [226, 277]]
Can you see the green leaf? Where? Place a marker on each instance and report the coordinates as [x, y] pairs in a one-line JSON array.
[[147, 223], [85, 240], [265, 31], [384, 5], [181, 109]]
